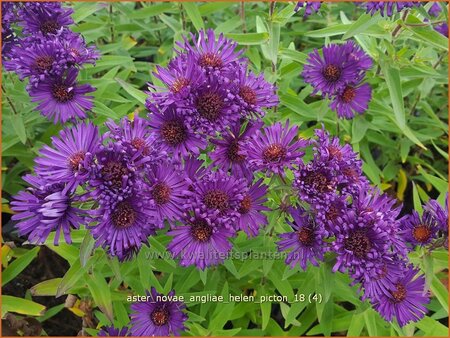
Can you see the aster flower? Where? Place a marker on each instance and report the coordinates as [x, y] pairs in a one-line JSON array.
[[72, 157], [338, 66], [439, 213], [44, 208], [218, 194], [310, 7], [111, 331], [254, 93], [275, 148], [419, 230], [172, 132], [306, 241], [215, 56], [251, 208], [38, 60], [442, 28], [44, 19], [435, 9], [156, 317], [8, 17], [228, 153], [77, 50], [406, 300], [168, 191], [351, 100], [62, 99], [203, 240], [388, 8], [124, 224]]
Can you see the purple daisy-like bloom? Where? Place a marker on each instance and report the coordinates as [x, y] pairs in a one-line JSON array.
[[339, 66], [172, 132], [219, 194], [352, 100], [361, 242], [203, 240], [435, 9], [45, 18], [38, 60], [193, 170], [442, 28], [419, 230], [77, 50], [62, 99], [388, 8], [168, 190], [307, 241], [111, 331], [309, 6], [124, 225], [254, 93], [406, 300], [228, 153], [439, 213], [158, 316], [275, 148], [215, 56], [251, 208], [44, 208], [72, 157], [181, 77]]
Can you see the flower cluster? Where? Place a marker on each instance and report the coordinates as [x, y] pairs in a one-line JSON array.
[[434, 11], [340, 212], [310, 7], [387, 8], [38, 45], [338, 73]]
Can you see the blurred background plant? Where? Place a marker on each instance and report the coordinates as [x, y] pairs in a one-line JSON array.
[[402, 139]]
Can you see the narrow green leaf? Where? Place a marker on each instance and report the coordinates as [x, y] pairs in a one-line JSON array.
[[370, 320], [266, 308], [22, 306], [437, 182], [18, 265], [249, 38], [19, 127], [416, 200], [151, 10], [194, 14], [432, 328], [86, 248], [440, 291], [101, 293], [46, 288], [71, 277], [392, 76], [359, 26], [426, 34], [356, 325], [359, 128], [134, 92], [294, 55]]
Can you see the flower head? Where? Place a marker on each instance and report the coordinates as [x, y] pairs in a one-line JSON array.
[[419, 230], [352, 100], [157, 316], [111, 331], [310, 7], [62, 99], [388, 8]]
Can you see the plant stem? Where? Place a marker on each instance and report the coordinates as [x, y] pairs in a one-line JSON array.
[[9, 102]]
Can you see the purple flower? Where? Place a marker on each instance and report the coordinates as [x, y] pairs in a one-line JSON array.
[[307, 241], [254, 93], [439, 213], [193, 171], [251, 208], [435, 9], [275, 148], [72, 157], [203, 240], [405, 301], [158, 316], [442, 28], [77, 51], [419, 230], [168, 191], [388, 8], [218, 194], [38, 60], [124, 224], [215, 56], [44, 19], [62, 99], [310, 7], [111, 331], [44, 208], [339, 66], [228, 153], [352, 100], [172, 133]]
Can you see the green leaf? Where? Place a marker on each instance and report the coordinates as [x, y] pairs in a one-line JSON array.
[[432, 328], [84, 9], [416, 200], [440, 291], [294, 55], [134, 92], [356, 325], [266, 308], [71, 278], [101, 293], [370, 320], [364, 21], [426, 34], [194, 14], [19, 127], [22, 306], [437, 182], [46, 288], [359, 128], [18, 265], [249, 38], [86, 248], [151, 10], [392, 76]]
